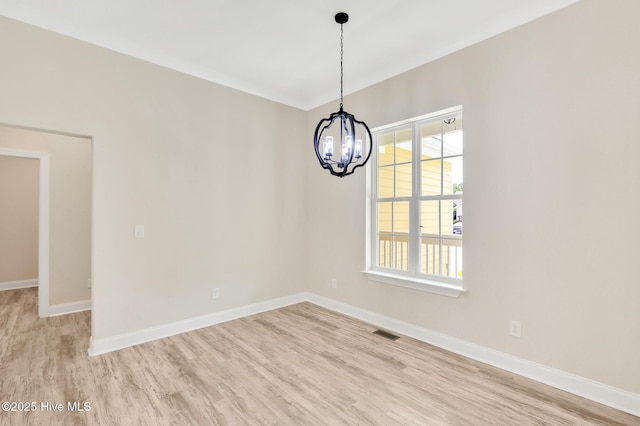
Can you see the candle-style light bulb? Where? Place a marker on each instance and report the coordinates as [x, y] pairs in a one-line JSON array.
[[357, 149], [347, 146], [327, 146]]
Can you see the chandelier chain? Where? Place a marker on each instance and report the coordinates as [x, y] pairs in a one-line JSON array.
[[341, 66]]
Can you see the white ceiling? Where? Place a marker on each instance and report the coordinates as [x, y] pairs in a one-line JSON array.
[[284, 50]]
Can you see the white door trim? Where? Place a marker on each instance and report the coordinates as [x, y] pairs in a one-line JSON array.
[[43, 225]]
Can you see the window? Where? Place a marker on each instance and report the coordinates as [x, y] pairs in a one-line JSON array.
[[416, 203]]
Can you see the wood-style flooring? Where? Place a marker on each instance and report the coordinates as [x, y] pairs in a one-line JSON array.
[[299, 365]]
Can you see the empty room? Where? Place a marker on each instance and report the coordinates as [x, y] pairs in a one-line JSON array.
[[247, 213]]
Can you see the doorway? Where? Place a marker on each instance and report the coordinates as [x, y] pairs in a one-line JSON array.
[[64, 214]]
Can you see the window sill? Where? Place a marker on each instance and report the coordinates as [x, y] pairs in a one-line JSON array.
[[420, 284]]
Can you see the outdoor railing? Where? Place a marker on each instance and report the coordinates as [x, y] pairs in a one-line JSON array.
[[393, 252]]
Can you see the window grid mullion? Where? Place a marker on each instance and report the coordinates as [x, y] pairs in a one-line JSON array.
[[393, 259], [440, 257], [414, 205]]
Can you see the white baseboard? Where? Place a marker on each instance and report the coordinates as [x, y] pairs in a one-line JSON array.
[[590, 389], [52, 310], [69, 308], [595, 391], [13, 285], [109, 344]]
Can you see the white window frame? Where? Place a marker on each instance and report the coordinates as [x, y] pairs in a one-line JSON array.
[[412, 278]]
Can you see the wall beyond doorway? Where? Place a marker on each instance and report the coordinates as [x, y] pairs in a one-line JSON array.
[[18, 219]]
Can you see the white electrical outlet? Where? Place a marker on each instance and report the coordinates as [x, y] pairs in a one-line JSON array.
[[515, 328], [216, 293], [89, 283], [334, 283]]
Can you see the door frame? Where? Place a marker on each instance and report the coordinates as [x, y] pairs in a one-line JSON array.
[[43, 224]]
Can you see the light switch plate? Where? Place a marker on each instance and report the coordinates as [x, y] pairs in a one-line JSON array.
[[139, 231]]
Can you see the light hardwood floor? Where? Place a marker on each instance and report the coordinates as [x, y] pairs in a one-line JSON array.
[[299, 365]]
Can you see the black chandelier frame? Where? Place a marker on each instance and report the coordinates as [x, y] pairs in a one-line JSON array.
[[348, 123]]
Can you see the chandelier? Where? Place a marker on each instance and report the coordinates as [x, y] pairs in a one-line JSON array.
[[353, 136]]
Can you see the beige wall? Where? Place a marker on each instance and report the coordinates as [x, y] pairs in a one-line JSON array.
[[69, 208], [214, 174], [18, 219], [541, 183]]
